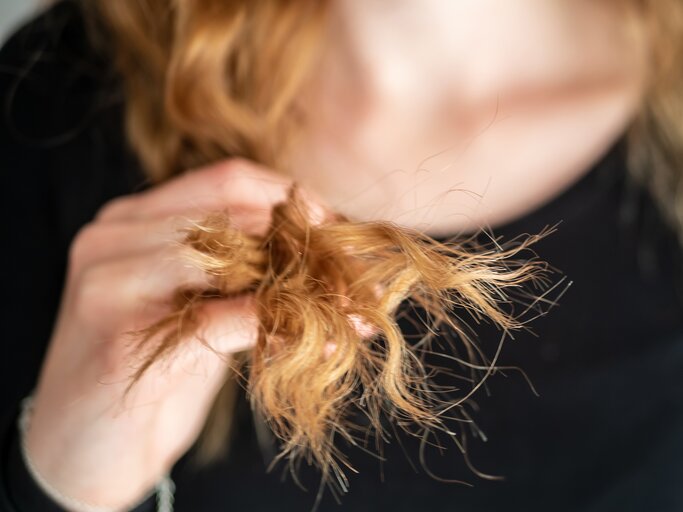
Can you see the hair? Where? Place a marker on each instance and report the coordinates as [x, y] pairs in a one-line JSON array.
[[316, 283], [327, 296], [656, 134]]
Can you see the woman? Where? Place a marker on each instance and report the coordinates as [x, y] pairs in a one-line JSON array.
[[440, 116]]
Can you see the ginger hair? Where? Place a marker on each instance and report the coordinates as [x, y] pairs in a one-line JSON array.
[[208, 79], [327, 296]]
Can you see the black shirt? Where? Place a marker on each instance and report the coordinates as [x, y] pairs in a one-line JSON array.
[[606, 432]]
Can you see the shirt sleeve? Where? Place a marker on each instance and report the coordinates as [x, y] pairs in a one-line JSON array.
[[54, 152]]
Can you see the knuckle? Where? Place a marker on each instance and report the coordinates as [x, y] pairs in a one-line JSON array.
[[94, 289], [229, 180], [82, 244], [114, 208], [232, 166], [229, 170]]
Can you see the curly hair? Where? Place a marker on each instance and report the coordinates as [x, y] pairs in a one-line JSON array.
[[315, 284]]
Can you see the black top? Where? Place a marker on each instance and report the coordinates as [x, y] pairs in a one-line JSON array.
[[605, 434]]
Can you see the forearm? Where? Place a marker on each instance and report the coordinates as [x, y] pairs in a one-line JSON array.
[[19, 491]]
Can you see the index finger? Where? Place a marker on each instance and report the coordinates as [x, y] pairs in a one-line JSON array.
[[235, 182]]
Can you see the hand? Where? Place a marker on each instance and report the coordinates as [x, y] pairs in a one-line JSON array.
[[86, 439]]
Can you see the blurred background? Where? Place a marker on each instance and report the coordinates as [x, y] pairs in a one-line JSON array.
[[13, 13]]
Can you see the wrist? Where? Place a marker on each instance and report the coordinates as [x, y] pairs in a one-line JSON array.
[[98, 499]]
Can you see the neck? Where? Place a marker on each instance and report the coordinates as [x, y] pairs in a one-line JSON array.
[[499, 91]]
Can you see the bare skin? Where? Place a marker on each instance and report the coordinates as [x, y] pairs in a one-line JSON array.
[[84, 440], [450, 116], [549, 87]]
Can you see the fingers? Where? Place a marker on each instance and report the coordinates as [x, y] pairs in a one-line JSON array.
[[98, 242], [135, 284], [231, 183], [227, 326], [132, 257], [137, 223], [230, 325]]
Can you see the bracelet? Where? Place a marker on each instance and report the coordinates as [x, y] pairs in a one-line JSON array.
[[164, 489]]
